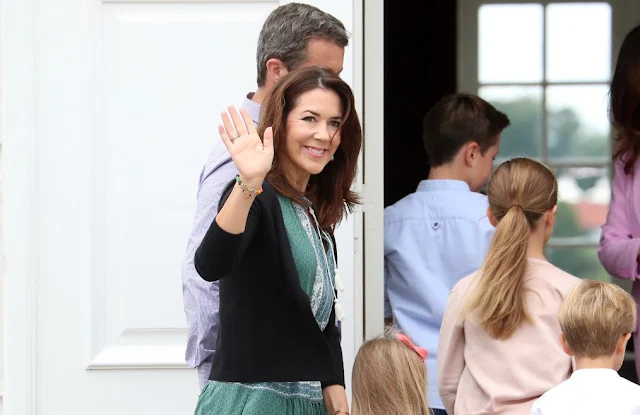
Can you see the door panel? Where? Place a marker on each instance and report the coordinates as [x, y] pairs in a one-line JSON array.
[[169, 70], [111, 109]]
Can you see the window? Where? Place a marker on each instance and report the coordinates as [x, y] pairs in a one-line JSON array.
[[547, 65]]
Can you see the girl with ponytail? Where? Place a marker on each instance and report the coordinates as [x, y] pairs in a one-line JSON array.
[[499, 349]]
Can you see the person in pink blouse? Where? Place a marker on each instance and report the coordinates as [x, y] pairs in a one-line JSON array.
[[619, 249], [499, 347]]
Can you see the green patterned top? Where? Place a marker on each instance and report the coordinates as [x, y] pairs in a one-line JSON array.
[[316, 270], [301, 247]]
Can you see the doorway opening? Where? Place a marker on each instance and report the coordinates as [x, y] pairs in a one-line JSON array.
[[420, 66]]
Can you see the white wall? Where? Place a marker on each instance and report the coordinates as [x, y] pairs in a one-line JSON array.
[[2, 268]]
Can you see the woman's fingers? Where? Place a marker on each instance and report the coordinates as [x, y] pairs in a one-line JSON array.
[[248, 122], [267, 141], [228, 126], [225, 137], [241, 129]]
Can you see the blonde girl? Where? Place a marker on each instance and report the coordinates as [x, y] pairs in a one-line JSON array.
[[499, 348], [390, 377]]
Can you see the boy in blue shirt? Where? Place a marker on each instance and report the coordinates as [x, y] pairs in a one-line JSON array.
[[441, 233]]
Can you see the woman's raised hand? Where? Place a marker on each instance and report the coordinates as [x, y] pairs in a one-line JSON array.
[[251, 155]]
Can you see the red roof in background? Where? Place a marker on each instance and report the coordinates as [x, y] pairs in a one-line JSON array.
[[591, 215]]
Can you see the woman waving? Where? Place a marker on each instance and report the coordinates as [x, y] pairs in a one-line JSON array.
[[272, 248]]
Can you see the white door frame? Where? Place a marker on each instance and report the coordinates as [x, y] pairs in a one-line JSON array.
[[19, 80], [373, 186]]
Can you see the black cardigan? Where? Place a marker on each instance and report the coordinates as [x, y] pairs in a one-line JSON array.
[[267, 329]]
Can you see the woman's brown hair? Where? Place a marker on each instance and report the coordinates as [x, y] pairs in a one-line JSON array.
[[624, 101], [330, 190], [389, 378], [520, 192]]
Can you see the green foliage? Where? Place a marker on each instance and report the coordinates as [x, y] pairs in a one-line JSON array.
[[566, 222], [566, 136], [523, 136], [581, 262]]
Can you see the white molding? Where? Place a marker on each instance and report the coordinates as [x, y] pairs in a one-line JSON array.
[[158, 348], [373, 188], [97, 323], [358, 231], [186, 1], [18, 88], [111, 344], [129, 16], [135, 357]]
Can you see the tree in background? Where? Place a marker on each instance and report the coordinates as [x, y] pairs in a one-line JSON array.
[[566, 136], [581, 262]]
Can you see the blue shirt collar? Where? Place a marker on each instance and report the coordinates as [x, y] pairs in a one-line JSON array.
[[252, 107], [431, 185]]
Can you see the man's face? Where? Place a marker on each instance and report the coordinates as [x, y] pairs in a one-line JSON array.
[[322, 52]]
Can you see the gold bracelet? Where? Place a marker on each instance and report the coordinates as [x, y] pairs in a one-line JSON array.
[[248, 192]]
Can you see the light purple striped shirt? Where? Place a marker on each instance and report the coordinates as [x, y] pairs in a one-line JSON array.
[[201, 297]]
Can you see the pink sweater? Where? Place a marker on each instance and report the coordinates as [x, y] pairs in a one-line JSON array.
[[480, 375], [620, 240]]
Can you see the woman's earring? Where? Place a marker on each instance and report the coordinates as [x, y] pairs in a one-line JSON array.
[[331, 158]]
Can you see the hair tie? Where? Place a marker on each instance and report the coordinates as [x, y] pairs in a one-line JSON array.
[[518, 205], [406, 340]]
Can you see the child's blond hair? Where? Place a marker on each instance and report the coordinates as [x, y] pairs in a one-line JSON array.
[[520, 192], [389, 377], [594, 316]]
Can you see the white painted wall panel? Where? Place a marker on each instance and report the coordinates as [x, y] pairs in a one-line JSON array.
[[109, 111]]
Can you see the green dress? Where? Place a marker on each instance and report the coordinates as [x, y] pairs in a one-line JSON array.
[[316, 269]]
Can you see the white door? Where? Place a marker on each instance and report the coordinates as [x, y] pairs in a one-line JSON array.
[[109, 110]]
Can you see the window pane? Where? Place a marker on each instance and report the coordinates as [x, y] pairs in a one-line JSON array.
[[581, 262], [583, 202], [578, 125], [510, 43], [578, 42], [523, 106]]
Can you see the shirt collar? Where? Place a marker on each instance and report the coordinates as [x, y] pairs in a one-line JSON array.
[[596, 372], [430, 185], [252, 107]]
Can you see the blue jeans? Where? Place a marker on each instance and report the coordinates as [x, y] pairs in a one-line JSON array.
[[438, 411]]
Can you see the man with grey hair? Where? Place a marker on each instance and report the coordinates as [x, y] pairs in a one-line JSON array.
[[294, 35]]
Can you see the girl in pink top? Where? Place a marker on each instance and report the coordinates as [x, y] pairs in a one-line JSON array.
[[619, 249], [499, 345]]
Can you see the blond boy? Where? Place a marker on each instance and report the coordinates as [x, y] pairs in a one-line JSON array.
[[597, 319]]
